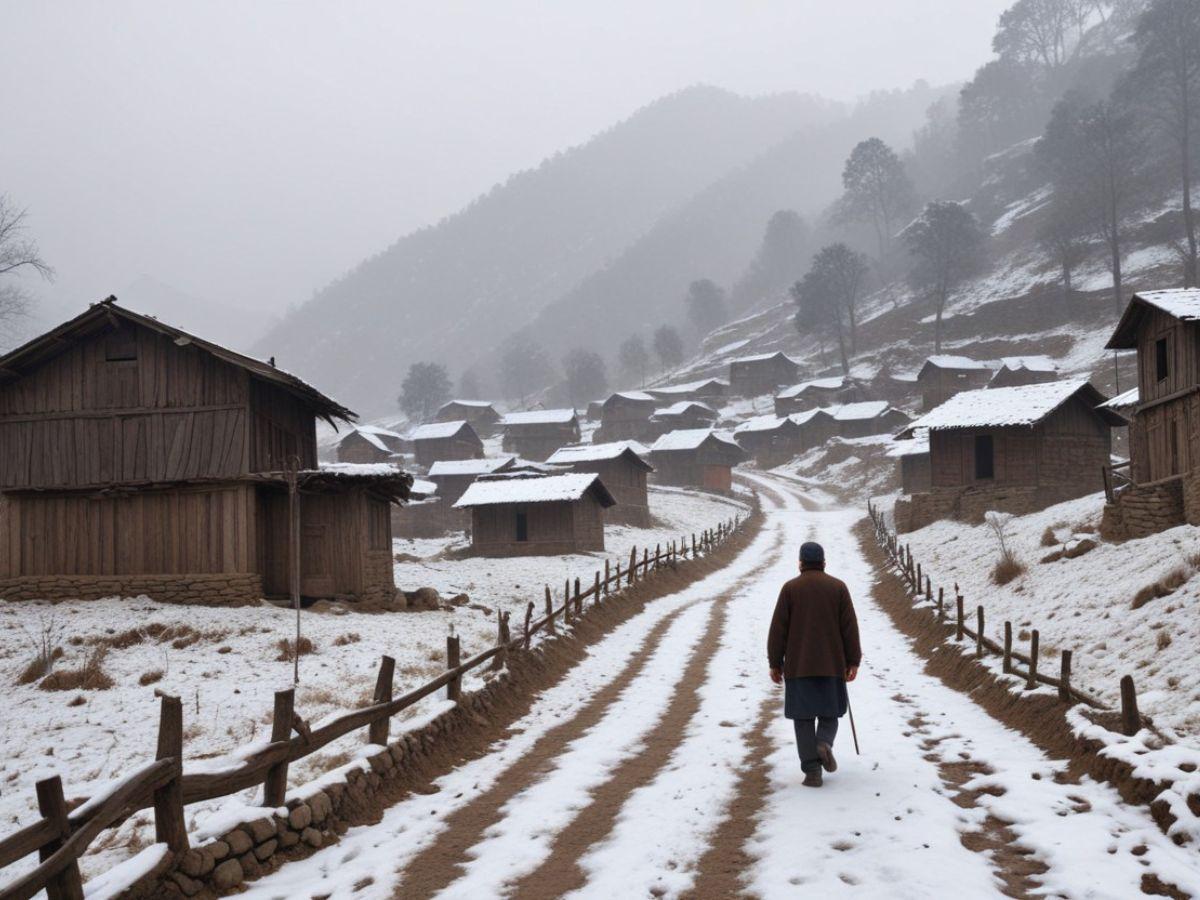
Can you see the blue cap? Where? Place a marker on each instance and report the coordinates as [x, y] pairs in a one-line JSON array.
[[812, 552]]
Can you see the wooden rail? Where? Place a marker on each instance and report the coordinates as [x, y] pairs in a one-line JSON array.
[[61, 838]]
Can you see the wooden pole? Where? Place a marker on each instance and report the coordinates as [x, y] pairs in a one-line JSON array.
[[66, 885], [596, 590], [920, 577], [169, 827], [1031, 681], [499, 660], [1064, 683], [928, 590], [275, 784], [453, 658], [294, 547], [979, 631], [377, 731], [693, 545], [657, 555], [958, 631], [645, 561], [1007, 648], [549, 611], [528, 619], [606, 576], [567, 600], [941, 603], [632, 566], [578, 600], [1131, 719]]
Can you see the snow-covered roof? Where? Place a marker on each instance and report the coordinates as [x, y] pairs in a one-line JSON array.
[[540, 489], [638, 396], [375, 429], [539, 417], [422, 488], [1008, 406], [437, 430], [375, 440], [763, 423], [1127, 400], [948, 361], [801, 417], [690, 439], [472, 404], [449, 467], [683, 406], [867, 409], [690, 387], [1029, 363], [341, 468], [1182, 303], [763, 357], [917, 445], [596, 452], [820, 384]]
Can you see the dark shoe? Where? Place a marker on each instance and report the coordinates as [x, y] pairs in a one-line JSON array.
[[813, 778], [826, 753]]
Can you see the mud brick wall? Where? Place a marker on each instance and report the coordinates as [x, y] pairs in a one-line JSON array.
[[971, 504], [1143, 510], [221, 588], [378, 584]]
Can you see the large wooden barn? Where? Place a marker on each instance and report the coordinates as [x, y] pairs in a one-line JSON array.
[[1015, 450], [1014, 371], [941, 377], [537, 433], [369, 444], [771, 440], [480, 413], [706, 390], [138, 458], [816, 393], [526, 514], [766, 373], [622, 467], [1160, 487], [698, 457], [445, 440], [625, 416]]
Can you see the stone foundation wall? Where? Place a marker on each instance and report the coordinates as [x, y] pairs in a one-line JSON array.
[[221, 588], [1142, 510], [971, 504], [379, 585], [1191, 496]]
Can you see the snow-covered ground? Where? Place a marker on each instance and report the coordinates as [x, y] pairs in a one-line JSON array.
[[225, 663]]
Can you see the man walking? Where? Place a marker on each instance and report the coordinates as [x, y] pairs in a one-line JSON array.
[[813, 649]]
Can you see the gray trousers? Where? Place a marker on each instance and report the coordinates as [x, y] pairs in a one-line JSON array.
[[809, 733]]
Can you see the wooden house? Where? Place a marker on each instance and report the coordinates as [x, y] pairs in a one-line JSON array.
[[698, 457], [622, 468], [1015, 371], [445, 440], [912, 462], [707, 390], [454, 476], [526, 514], [138, 458], [941, 377], [682, 415], [816, 393], [595, 410], [1015, 450], [771, 440], [481, 415], [368, 444], [870, 417], [1160, 486], [766, 373], [625, 416], [537, 433], [425, 515], [816, 426]]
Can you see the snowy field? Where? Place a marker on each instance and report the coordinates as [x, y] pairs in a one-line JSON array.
[[226, 663]]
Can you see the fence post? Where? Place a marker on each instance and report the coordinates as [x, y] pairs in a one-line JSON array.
[[958, 631], [275, 784], [928, 590], [693, 545], [549, 611], [66, 885], [606, 576], [1031, 681], [1008, 648], [169, 827], [377, 731], [567, 601], [528, 617], [920, 577], [657, 554], [453, 658], [1131, 720], [578, 600], [632, 566], [1064, 684], [596, 590], [979, 631], [941, 604], [645, 561], [501, 657]]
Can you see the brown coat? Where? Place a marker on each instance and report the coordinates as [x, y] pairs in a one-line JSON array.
[[814, 630]]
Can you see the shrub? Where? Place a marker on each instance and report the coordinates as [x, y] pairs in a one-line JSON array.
[[88, 677], [287, 654], [39, 667], [44, 646], [1006, 569], [349, 638], [1008, 566], [1163, 640], [150, 677], [1048, 538]]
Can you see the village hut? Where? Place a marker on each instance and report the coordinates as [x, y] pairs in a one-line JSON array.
[[141, 459], [535, 434], [771, 440], [480, 414], [816, 393], [816, 426], [943, 376], [698, 457], [1015, 371], [595, 410], [454, 476], [706, 390], [1160, 486], [445, 440], [912, 461], [527, 514], [1014, 450], [425, 515], [622, 467], [753, 376], [625, 415], [682, 415], [368, 444], [855, 420]]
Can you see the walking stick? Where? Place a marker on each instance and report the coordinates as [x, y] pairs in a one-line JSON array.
[[853, 730]]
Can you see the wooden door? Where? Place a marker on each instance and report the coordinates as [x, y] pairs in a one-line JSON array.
[[316, 561]]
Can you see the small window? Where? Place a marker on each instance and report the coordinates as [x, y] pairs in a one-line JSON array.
[[1162, 365], [121, 346], [985, 457], [522, 526]]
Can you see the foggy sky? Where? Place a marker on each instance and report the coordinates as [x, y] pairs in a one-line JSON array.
[[249, 152]]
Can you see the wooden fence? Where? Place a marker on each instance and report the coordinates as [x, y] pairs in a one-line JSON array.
[[921, 585], [61, 836]]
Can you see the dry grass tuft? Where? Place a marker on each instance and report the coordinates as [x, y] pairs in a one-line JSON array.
[[1007, 569], [1163, 640], [78, 700], [150, 677], [179, 636], [1048, 538], [1168, 584], [39, 667], [351, 637], [88, 677], [287, 653]]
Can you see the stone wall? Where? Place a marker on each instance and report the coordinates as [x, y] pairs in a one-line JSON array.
[[970, 504], [379, 585], [1142, 510], [221, 588]]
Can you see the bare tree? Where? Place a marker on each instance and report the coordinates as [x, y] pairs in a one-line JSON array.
[[877, 190], [828, 294], [946, 243], [19, 255]]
